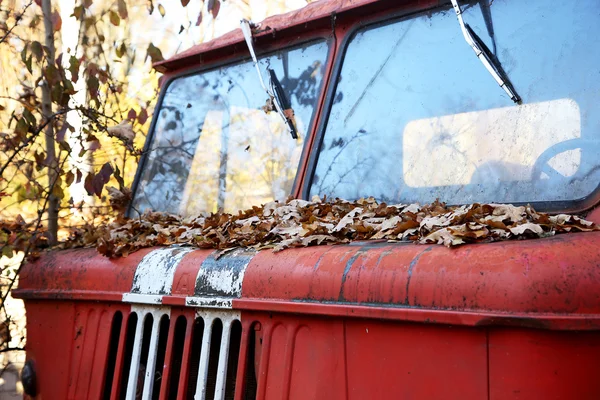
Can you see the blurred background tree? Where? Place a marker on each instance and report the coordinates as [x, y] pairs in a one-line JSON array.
[[77, 91]]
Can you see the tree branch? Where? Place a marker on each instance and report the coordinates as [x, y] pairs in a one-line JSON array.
[[18, 19]]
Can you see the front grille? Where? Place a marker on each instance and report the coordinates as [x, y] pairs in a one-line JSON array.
[[163, 353]]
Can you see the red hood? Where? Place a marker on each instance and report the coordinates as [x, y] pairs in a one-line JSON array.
[[552, 282]]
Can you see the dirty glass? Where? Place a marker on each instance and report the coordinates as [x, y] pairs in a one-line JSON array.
[[214, 147], [417, 117]]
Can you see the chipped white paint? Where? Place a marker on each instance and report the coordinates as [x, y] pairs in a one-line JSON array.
[[142, 298], [220, 279], [224, 280], [142, 313], [154, 275], [209, 302]]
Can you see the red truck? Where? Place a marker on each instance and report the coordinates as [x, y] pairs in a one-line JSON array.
[[407, 101]]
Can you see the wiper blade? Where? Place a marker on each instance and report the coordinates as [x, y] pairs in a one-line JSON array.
[[489, 60], [282, 103], [274, 90]]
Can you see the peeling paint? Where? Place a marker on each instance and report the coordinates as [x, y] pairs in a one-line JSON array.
[[142, 298], [220, 278], [223, 277], [209, 302], [154, 274]]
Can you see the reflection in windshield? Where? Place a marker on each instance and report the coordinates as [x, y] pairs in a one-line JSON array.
[[214, 147], [467, 141], [418, 118]]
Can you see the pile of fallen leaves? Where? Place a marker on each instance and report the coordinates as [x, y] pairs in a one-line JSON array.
[[298, 223]]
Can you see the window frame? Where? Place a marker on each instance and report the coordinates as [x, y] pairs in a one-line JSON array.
[[240, 56], [349, 29]]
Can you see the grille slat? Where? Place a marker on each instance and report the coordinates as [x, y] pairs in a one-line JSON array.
[[223, 356], [134, 368], [154, 343], [151, 362], [204, 358]]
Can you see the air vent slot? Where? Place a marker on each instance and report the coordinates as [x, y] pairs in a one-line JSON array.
[[194, 366], [176, 357], [160, 356], [213, 358], [235, 339], [251, 384], [129, 344], [197, 353], [111, 360]]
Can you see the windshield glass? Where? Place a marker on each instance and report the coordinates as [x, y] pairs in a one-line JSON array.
[[213, 146], [416, 116]]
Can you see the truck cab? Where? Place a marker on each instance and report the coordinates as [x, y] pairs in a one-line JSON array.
[[389, 100]]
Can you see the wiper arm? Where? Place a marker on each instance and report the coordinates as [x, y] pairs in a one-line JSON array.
[[274, 90], [489, 60]]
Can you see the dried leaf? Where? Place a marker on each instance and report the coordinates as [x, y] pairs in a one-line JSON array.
[[56, 21], [114, 18], [124, 132], [213, 7], [521, 229], [299, 223], [154, 53], [122, 7], [143, 116]]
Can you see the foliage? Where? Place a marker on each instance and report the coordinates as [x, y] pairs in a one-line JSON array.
[[76, 94], [72, 120]]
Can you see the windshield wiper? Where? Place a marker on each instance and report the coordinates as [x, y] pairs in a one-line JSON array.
[[487, 58], [274, 90]]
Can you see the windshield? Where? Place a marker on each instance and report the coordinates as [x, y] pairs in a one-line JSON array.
[[416, 116], [213, 145]]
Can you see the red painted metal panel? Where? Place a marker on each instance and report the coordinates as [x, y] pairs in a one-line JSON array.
[[49, 343], [78, 274], [410, 361], [535, 364], [184, 280], [92, 330], [429, 316], [271, 25], [69, 343], [275, 366], [300, 358], [340, 358], [317, 358], [552, 276]]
